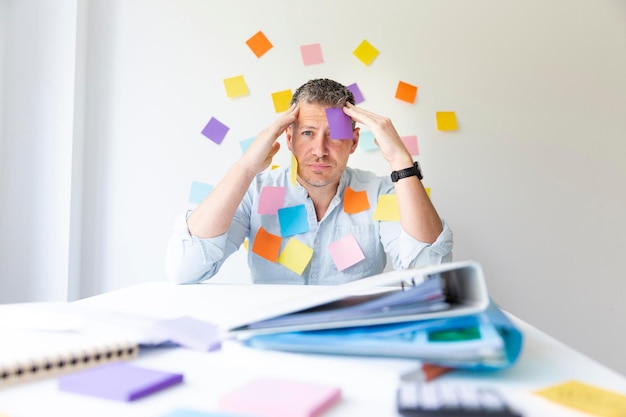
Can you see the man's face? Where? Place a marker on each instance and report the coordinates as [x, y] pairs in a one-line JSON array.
[[321, 160]]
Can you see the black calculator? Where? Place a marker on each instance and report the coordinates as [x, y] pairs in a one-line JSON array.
[[443, 399]]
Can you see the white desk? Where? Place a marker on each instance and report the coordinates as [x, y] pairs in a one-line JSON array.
[[368, 385]]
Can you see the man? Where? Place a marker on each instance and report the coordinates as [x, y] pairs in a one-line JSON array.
[[218, 226]]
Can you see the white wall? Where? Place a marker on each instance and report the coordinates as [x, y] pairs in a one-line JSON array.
[[532, 183]]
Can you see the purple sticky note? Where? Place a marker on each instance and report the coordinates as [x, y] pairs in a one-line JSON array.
[[189, 332], [356, 92], [293, 220], [119, 381], [271, 199], [215, 130], [339, 123], [345, 252]]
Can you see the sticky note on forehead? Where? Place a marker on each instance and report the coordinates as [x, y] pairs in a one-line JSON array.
[[339, 123]]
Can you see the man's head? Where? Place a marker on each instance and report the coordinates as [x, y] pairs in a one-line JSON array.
[[321, 160]]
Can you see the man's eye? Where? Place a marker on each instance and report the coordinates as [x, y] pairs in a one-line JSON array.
[[307, 133]]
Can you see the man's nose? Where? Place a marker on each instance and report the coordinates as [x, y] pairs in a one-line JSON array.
[[320, 144]]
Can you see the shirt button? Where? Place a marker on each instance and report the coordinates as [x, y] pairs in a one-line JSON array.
[[313, 275]]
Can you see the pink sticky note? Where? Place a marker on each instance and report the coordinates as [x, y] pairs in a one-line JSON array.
[[345, 252], [311, 54], [411, 144], [339, 123], [269, 397], [271, 199]]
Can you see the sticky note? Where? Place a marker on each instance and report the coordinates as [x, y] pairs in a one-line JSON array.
[[345, 252], [199, 191], [189, 332], [367, 141], [281, 100], [296, 256], [387, 208], [246, 244], [410, 142], [586, 398], [293, 220], [446, 120], [271, 199], [293, 171], [339, 123], [427, 189], [311, 54], [356, 92], [355, 201], [215, 130], [236, 86], [187, 412], [365, 52], [266, 245], [259, 44], [280, 398], [406, 92], [245, 144], [119, 381]]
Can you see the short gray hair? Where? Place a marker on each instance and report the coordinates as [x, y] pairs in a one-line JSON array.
[[323, 91]]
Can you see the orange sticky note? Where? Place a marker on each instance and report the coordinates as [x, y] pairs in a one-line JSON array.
[[266, 245], [365, 52], [259, 44], [387, 208], [586, 398], [446, 120], [296, 256], [355, 201], [406, 92], [281, 100], [235, 86]]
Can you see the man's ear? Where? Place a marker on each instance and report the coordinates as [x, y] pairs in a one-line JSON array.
[[355, 140], [289, 135]]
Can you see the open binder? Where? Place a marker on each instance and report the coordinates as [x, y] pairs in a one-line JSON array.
[[438, 291]]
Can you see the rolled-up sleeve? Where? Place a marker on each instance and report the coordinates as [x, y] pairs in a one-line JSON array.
[[190, 259]]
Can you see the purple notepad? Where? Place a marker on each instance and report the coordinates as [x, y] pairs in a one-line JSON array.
[[119, 381], [268, 397]]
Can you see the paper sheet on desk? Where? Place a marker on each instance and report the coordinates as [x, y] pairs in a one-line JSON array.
[[485, 341]]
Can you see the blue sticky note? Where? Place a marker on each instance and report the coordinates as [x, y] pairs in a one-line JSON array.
[[366, 141], [215, 130], [356, 92], [339, 123], [199, 191], [119, 381], [186, 412], [293, 220], [245, 144]]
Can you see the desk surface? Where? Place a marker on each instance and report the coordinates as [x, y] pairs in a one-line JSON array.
[[368, 384]]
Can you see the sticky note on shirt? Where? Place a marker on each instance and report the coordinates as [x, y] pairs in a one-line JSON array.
[[387, 208], [119, 381], [281, 100], [271, 199], [339, 124], [296, 256], [215, 130], [345, 252], [293, 220], [446, 120], [365, 52], [266, 245], [355, 201], [311, 54], [280, 398], [406, 92], [586, 398], [236, 86], [259, 44]]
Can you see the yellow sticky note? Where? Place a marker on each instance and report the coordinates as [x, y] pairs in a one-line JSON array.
[[246, 245], [296, 256], [281, 100], [427, 189], [366, 52], [387, 208], [293, 174], [236, 86], [446, 120], [586, 398]]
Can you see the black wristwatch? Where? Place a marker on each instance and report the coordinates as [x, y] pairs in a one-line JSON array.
[[407, 172]]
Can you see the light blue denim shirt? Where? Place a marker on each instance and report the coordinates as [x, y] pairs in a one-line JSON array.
[[191, 259]]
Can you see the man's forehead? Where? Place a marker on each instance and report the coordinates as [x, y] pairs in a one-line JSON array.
[[312, 113]]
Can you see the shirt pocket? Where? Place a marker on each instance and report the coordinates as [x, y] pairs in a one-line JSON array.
[[366, 235]]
